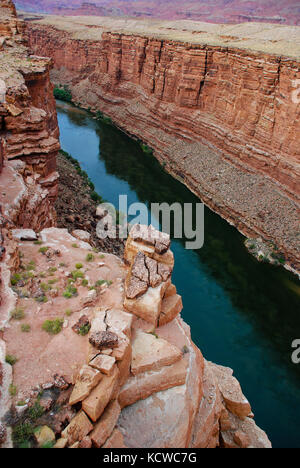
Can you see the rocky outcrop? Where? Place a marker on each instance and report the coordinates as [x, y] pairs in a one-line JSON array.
[[120, 375], [221, 118]]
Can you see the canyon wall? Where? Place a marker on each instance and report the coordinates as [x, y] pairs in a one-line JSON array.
[[29, 131], [224, 120]]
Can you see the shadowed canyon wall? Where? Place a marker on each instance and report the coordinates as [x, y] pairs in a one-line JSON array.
[[191, 102]]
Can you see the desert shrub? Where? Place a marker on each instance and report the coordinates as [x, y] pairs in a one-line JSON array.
[[70, 292], [18, 314], [89, 258], [77, 274], [11, 360], [15, 279], [21, 434], [43, 250], [12, 390], [53, 327], [84, 329], [36, 411]]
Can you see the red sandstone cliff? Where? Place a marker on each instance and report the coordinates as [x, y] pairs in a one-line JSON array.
[[178, 95]]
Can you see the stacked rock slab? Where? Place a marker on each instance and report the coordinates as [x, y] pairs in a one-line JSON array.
[[127, 361], [149, 292], [98, 382]]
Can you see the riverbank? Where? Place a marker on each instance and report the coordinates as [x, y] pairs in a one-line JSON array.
[[77, 202]]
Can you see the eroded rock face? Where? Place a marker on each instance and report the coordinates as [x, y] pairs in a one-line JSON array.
[[149, 277], [221, 118], [28, 148]]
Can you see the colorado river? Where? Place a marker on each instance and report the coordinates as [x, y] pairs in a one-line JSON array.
[[243, 314]]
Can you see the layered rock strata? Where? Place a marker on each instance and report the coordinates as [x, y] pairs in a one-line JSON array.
[[220, 111]]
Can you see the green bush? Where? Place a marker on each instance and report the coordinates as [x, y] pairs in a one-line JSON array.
[[43, 250], [18, 314], [11, 360], [41, 299], [103, 118], [70, 292], [15, 279], [22, 433], [77, 274], [38, 242], [63, 93], [13, 390], [84, 329], [36, 411], [146, 149], [53, 327]]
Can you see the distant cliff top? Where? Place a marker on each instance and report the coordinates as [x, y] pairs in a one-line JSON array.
[[217, 11], [257, 37]]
